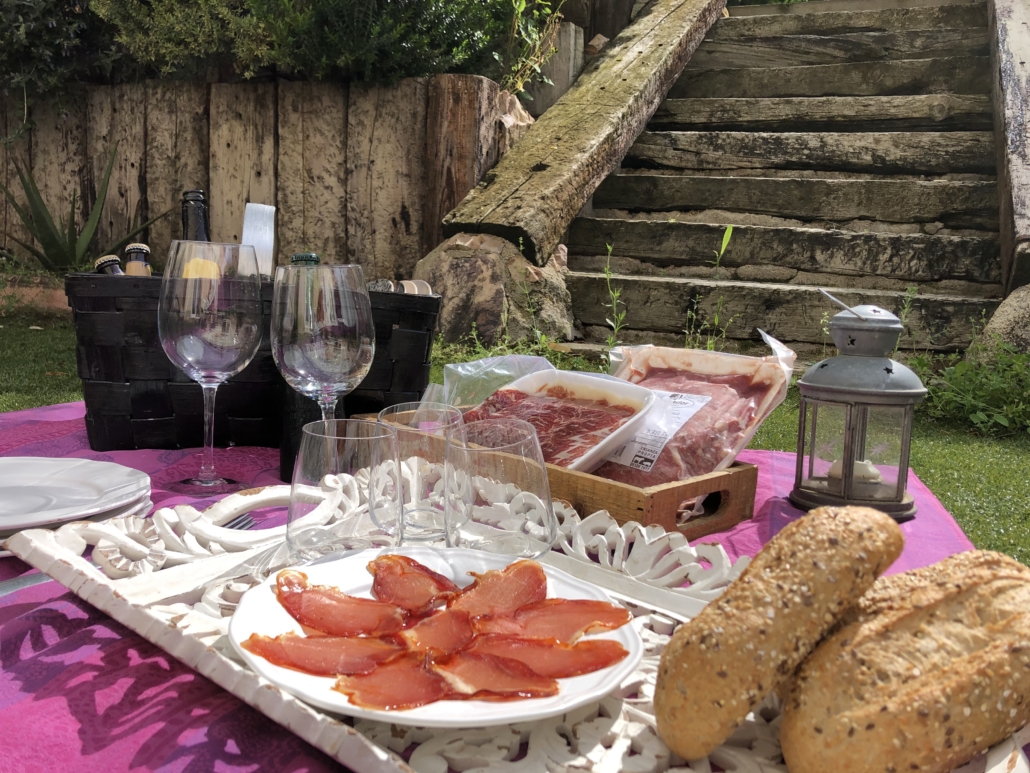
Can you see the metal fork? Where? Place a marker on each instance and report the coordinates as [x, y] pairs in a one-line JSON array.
[[241, 523]]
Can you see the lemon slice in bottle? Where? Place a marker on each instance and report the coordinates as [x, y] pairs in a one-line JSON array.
[[201, 268]]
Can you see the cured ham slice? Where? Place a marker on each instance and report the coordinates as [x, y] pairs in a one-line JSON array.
[[330, 610], [562, 619], [550, 659], [402, 683], [408, 584], [323, 655], [443, 632], [488, 677], [502, 592]]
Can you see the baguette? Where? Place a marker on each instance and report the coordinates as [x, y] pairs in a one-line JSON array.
[[934, 669], [720, 665]]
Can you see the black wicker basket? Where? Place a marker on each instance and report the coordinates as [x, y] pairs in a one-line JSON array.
[[135, 397]]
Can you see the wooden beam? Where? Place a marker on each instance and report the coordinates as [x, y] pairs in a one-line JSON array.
[[956, 204], [917, 112], [787, 312], [561, 70], [832, 6], [242, 163], [177, 155], [461, 145], [386, 177], [1010, 26], [800, 50], [914, 257], [955, 75], [842, 22], [923, 153], [311, 176], [542, 183]]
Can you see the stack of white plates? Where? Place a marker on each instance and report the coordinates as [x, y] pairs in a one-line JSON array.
[[39, 492]]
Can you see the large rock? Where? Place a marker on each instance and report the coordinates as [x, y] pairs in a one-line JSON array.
[[1011, 322], [488, 285]]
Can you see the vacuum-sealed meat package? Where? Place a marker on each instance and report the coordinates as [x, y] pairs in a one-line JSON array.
[[708, 406]]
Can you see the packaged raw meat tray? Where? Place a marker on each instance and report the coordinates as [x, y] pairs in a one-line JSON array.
[[579, 419], [708, 406]]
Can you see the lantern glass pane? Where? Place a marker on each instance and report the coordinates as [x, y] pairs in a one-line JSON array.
[[877, 451], [824, 446]]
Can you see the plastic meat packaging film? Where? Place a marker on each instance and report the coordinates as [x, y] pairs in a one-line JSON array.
[[709, 405], [470, 383]]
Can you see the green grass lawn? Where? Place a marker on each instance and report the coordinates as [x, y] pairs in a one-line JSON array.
[[983, 482]]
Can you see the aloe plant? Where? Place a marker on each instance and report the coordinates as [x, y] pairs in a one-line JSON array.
[[61, 248]]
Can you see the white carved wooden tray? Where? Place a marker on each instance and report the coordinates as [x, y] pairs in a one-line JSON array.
[[175, 579]]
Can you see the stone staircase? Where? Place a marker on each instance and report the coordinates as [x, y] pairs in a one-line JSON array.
[[848, 142]]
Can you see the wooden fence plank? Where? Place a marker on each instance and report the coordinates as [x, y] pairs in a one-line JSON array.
[[242, 163], [461, 145], [386, 127], [538, 188], [834, 6], [177, 155], [845, 21], [117, 114], [60, 163], [312, 171], [16, 151]]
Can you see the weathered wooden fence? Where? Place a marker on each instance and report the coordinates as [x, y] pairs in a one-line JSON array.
[[358, 174]]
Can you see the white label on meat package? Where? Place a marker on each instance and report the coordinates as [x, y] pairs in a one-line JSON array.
[[671, 411]]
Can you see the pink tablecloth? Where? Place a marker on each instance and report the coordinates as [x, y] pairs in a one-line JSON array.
[[79, 693]]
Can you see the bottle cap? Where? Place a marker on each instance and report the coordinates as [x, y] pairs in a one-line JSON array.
[[105, 261], [137, 248], [194, 195], [305, 259]]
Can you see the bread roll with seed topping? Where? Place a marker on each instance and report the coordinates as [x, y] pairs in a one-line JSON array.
[[934, 670], [722, 663]]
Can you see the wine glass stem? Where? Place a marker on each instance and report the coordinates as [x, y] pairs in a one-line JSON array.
[[328, 406], [207, 461]]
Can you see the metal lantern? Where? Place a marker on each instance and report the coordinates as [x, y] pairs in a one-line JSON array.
[[855, 424]]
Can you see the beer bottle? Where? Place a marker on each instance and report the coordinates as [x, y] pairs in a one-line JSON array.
[[137, 260], [194, 217], [109, 264]]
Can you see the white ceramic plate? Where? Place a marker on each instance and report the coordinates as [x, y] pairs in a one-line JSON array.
[[37, 491], [260, 612]]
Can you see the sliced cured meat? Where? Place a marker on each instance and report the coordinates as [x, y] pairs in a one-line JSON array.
[[407, 583], [502, 591], [488, 677], [443, 632], [323, 655], [548, 657], [402, 683], [562, 619], [330, 610], [568, 427]]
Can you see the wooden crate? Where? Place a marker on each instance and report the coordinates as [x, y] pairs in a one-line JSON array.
[[728, 496]]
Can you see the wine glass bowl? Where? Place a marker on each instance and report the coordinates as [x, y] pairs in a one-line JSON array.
[[209, 323], [323, 335], [497, 496]]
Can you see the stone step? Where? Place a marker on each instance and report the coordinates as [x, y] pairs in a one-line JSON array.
[[954, 75], [929, 112], [837, 6], [850, 21], [904, 257], [660, 308], [914, 153], [799, 50], [954, 204]]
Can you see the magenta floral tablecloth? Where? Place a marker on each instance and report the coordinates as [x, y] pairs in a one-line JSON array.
[[79, 692]]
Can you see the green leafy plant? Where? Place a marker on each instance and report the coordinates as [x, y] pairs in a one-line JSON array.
[[906, 309], [529, 44], [617, 319], [62, 247], [717, 263], [704, 333], [824, 326]]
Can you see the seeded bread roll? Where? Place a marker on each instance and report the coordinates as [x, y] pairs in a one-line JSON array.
[[722, 663], [935, 669]]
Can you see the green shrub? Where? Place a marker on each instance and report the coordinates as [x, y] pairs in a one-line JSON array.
[[45, 44], [988, 389]]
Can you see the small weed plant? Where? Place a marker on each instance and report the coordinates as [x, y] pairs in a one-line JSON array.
[[617, 320], [703, 333], [717, 263], [903, 315]]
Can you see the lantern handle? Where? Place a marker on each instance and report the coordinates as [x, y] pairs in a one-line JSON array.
[[843, 305]]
